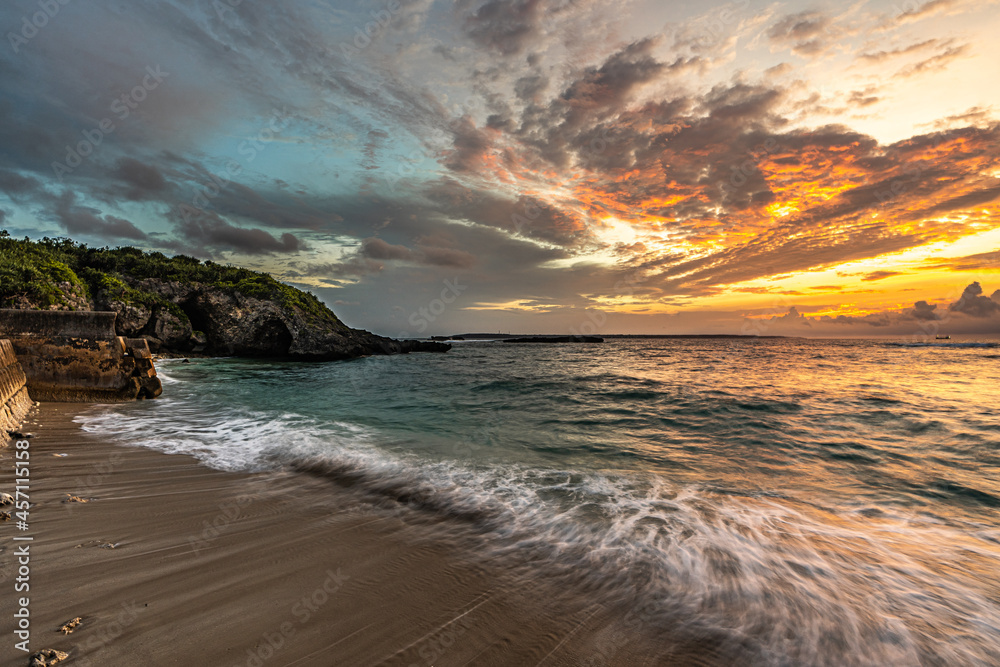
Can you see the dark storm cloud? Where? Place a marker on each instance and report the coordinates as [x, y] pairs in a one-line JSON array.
[[77, 219], [378, 249], [427, 252], [925, 311], [143, 181], [446, 257], [14, 185], [974, 304], [199, 228]]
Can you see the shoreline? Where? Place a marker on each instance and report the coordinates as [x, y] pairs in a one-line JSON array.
[[170, 562]]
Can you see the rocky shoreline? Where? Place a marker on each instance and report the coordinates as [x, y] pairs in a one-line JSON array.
[[183, 306], [204, 319]]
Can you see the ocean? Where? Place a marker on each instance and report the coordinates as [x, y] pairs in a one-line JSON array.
[[796, 502]]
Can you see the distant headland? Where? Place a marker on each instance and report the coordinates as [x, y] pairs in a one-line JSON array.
[[557, 338]]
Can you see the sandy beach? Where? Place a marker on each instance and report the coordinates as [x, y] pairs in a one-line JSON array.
[[170, 563]]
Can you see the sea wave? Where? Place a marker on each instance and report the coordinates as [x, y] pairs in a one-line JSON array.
[[768, 578]]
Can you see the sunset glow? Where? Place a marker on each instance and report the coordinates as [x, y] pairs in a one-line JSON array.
[[678, 171]]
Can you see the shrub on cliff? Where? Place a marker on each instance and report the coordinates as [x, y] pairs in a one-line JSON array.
[[47, 274], [31, 276]]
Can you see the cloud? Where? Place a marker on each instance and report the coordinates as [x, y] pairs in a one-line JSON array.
[[427, 253], [880, 275], [471, 146], [803, 33], [87, 221], [915, 12], [374, 248], [506, 27], [201, 228], [144, 181], [448, 257], [972, 303], [873, 57], [936, 62], [713, 172], [925, 311], [978, 262]]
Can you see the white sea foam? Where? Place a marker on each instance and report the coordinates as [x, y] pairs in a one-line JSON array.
[[783, 580]]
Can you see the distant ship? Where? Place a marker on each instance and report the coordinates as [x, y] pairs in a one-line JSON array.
[[942, 337]]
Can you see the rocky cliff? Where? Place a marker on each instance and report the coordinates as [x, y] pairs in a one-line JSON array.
[[182, 305]]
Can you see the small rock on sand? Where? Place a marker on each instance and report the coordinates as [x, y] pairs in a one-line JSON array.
[[69, 626], [47, 657]]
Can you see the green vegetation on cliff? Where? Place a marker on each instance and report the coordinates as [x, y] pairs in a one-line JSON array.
[[30, 273], [56, 272]]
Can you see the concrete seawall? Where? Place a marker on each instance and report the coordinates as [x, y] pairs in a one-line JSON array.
[[76, 356], [14, 399]]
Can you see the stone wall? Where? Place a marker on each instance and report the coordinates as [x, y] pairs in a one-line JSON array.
[[76, 356], [14, 399], [97, 325]]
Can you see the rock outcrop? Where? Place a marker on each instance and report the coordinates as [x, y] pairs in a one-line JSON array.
[[219, 321]]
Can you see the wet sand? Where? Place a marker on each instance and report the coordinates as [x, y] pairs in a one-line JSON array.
[[171, 563]]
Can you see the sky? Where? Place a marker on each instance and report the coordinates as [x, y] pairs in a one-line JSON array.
[[566, 166]]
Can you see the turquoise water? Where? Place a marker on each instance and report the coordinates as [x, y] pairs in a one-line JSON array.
[[812, 502]]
